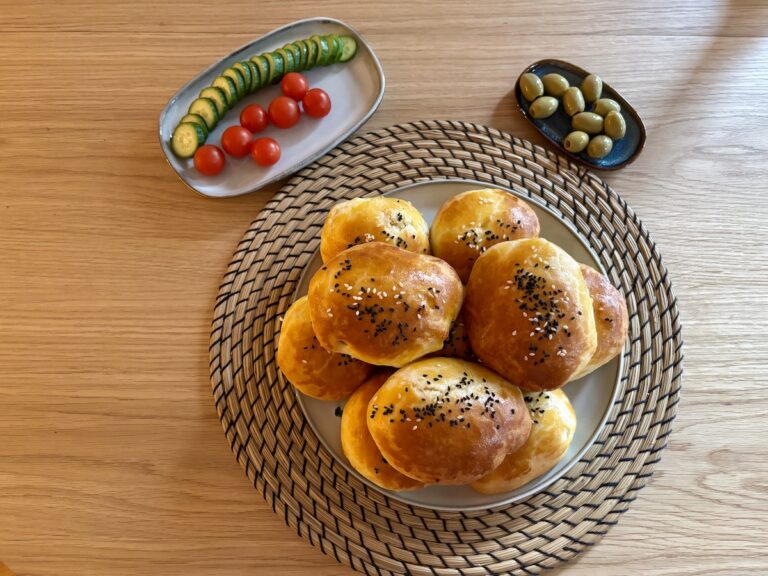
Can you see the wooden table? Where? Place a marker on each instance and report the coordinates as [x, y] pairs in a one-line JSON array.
[[112, 459]]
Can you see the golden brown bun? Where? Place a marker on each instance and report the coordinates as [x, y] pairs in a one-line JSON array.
[[384, 305], [457, 343], [308, 366], [447, 421], [611, 319], [471, 222], [554, 423], [358, 444], [380, 219], [529, 314]]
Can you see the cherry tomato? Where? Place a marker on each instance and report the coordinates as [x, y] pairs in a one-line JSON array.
[[294, 85], [254, 118], [265, 151], [284, 112], [209, 160], [237, 141], [317, 103]]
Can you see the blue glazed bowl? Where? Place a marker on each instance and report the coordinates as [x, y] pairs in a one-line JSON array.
[[558, 126]]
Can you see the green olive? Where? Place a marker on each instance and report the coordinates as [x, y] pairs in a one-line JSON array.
[[588, 122], [600, 146], [573, 101], [555, 84], [592, 87], [614, 125], [543, 107], [576, 141], [531, 86], [605, 105]]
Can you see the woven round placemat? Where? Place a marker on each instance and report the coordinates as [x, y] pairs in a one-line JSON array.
[[314, 493]]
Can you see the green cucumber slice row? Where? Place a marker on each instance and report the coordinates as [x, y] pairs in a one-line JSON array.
[[186, 139], [348, 48], [206, 109], [195, 119], [227, 85], [275, 62], [296, 53], [334, 48], [219, 98], [322, 49]]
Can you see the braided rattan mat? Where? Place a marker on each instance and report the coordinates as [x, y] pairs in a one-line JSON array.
[[334, 510]]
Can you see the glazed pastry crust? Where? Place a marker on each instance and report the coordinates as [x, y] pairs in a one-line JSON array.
[[357, 442], [611, 319], [471, 222], [554, 424], [308, 366], [378, 219], [529, 314], [447, 421], [384, 305]]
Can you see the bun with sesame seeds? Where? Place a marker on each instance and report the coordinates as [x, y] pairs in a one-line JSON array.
[[554, 424], [529, 314], [611, 319], [384, 305], [447, 421], [471, 222], [357, 442], [309, 367], [378, 219]]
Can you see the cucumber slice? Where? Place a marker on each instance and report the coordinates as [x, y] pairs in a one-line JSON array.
[[275, 62], [195, 119], [255, 76], [206, 109], [245, 71], [298, 63], [227, 85], [238, 79], [263, 66], [186, 139], [218, 97], [348, 48], [322, 49], [303, 53], [288, 64], [334, 48], [294, 50], [311, 53]]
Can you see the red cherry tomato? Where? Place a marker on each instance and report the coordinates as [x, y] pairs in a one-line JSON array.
[[294, 85], [317, 103], [284, 112], [265, 151], [254, 118], [209, 160], [237, 141]]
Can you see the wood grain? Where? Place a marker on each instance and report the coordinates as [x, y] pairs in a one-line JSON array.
[[113, 460]]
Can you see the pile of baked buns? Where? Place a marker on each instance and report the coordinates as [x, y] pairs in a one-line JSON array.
[[452, 343]]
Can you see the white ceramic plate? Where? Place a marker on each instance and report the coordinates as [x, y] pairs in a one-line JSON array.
[[355, 87], [591, 396]]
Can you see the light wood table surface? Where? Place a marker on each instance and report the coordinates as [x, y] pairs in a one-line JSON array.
[[112, 459]]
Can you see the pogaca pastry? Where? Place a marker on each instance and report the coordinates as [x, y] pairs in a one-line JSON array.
[[529, 314], [611, 319], [378, 219], [471, 222], [447, 421], [384, 305], [308, 366]]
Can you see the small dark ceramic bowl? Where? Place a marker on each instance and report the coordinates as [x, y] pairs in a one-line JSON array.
[[558, 126]]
